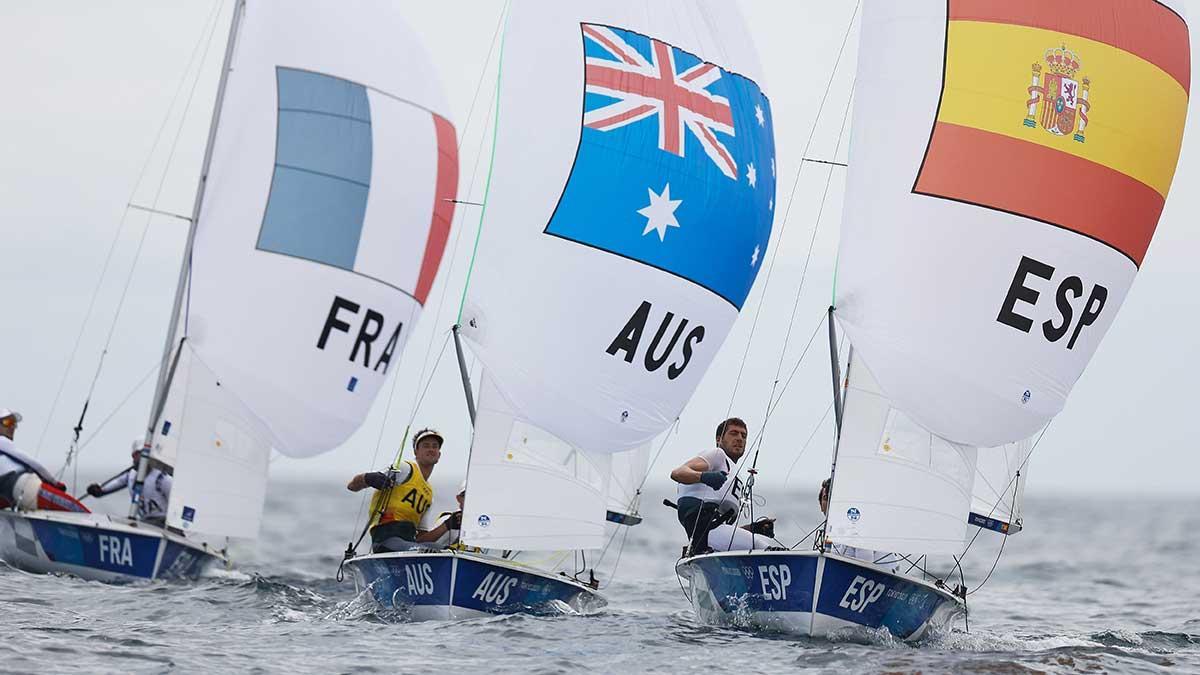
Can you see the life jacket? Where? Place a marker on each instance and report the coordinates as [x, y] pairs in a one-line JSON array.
[[405, 502]]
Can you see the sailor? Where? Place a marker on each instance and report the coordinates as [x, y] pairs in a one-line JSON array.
[[403, 497], [709, 500], [24, 483], [156, 488], [886, 560], [453, 520]]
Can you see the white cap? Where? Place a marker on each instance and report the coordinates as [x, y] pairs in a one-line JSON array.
[[5, 412], [426, 433], [462, 487]]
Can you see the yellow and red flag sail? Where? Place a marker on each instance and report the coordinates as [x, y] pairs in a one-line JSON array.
[[1020, 82], [1010, 163]]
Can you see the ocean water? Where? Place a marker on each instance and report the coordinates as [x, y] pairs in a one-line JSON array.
[[1093, 585]]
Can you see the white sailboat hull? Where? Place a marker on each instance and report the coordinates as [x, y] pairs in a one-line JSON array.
[[447, 585], [96, 547], [813, 594]]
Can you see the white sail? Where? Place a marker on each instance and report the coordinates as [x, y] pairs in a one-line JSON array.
[[629, 208], [897, 487], [324, 217], [1000, 477], [526, 489], [221, 474], [627, 216], [1003, 188], [625, 480]]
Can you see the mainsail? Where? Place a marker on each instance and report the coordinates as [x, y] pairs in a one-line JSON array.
[[323, 215], [993, 223], [628, 213]]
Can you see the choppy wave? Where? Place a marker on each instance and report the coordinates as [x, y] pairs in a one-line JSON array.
[[1056, 603]]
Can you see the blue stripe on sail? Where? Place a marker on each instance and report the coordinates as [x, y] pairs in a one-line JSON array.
[[322, 175]]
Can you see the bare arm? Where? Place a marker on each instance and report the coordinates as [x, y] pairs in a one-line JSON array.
[[689, 473]]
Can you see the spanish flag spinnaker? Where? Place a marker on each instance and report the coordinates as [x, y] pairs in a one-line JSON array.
[[1009, 165]]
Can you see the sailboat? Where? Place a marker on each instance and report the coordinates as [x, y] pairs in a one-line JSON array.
[[994, 221], [319, 223], [630, 202]]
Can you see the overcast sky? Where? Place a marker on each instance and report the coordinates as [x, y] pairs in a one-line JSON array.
[[89, 83]]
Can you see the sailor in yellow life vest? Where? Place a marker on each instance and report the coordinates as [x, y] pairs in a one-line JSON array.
[[403, 498]]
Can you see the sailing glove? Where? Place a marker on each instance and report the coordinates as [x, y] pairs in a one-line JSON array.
[[454, 522], [94, 490], [713, 479]]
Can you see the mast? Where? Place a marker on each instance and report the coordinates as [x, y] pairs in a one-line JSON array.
[[838, 401], [462, 370], [166, 369]]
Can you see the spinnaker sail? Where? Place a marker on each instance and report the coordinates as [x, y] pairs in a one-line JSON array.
[[323, 216], [997, 209], [1004, 186], [629, 210]]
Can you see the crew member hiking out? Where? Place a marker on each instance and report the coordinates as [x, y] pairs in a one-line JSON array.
[[709, 500], [403, 497], [25, 484]]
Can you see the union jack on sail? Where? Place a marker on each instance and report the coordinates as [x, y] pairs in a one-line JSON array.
[[644, 88]]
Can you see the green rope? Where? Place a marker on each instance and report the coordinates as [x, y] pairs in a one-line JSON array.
[[487, 186]]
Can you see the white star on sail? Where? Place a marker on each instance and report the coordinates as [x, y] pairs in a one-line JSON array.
[[758, 113], [751, 174], [660, 214], [754, 258]]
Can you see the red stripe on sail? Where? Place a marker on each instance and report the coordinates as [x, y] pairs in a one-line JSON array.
[[445, 189], [1007, 174], [1144, 28]]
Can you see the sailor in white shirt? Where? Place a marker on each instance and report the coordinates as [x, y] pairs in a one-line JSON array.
[[708, 500], [156, 489], [24, 483]]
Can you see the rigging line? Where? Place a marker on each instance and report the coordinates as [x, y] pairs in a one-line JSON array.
[[826, 161], [770, 411], [791, 199], [812, 435], [800, 289], [146, 228], [89, 439], [383, 426], [1012, 507], [487, 186], [470, 187], [1020, 468], [121, 226]]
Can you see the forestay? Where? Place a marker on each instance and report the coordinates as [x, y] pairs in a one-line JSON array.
[[325, 215], [898, 487], [628, 214], [1009, 164]]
